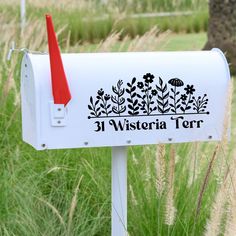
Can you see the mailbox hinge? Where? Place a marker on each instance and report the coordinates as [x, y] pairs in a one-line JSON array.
[[58, 114], [24, 50]]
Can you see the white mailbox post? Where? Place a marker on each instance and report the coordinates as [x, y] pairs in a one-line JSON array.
[[123, 99]]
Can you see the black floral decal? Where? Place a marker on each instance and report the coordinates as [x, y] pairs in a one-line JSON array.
[[146, 104], [94, 110], [200, 104], [132, 100], [104, 102], [183, 97], [118, 98], [148, 78], [187, 100], [140, 85], [100, 92], [154, 92], [162, 99], [189, 89], [175, 82], [148, 97]]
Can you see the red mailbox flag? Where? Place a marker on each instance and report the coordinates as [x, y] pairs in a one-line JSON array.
[[60, 88]]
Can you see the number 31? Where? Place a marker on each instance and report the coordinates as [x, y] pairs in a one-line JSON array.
[[100, 126]]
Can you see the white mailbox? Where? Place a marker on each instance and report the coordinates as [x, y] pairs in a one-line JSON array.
[[121, 99]]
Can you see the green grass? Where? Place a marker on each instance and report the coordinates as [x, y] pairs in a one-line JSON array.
[[94, 30], [84, 25], [181, 42], [173, 42], [129, 6]]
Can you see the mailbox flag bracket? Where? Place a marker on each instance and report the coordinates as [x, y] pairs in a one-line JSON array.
[[60, 88], [58, 114]]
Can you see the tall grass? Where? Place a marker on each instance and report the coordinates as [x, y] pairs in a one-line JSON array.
[[117, 5], [94, 22], [67, 192]]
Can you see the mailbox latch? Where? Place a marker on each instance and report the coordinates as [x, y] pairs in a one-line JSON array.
[[58, 114]]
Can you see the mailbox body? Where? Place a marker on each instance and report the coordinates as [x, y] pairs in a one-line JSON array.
[[121, 99]]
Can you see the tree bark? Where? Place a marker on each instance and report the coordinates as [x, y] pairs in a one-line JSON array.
[[222, 29]]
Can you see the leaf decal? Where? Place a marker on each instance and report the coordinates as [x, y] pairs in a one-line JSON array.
[[162, 98], [132, 100], [94, 110], [118, 100]]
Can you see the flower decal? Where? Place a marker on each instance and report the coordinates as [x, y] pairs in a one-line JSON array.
[[148, 78], [100, 92], [107, 97], [189, 89], [187, 99], [154, 92], [147, 105], [176, 82], [140, 85], [148, 96], [184, 97], [102, 100]]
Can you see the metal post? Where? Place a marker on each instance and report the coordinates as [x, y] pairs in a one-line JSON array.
[[22, 14], [119, 191]]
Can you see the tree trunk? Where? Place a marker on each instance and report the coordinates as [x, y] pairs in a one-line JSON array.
[[222, 29]]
